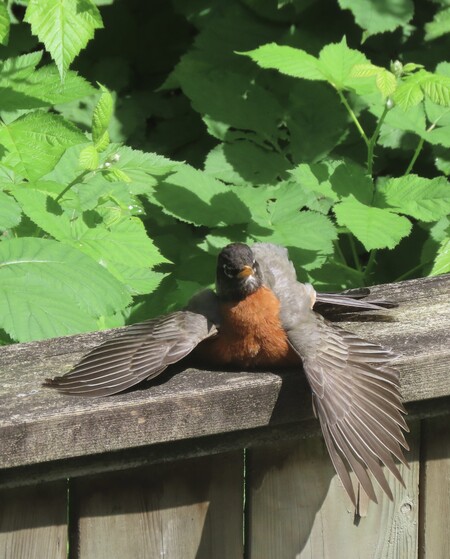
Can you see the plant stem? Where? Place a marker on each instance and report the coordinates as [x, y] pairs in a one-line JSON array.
[[415, 156], [370, 263], [349, 269], [373, 141], [76, 180], [420, 144], [354, 253], [340, 253], [411, 271], [353, 117]]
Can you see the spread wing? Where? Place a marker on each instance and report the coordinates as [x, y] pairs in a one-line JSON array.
[[357, 400], [141, 351]]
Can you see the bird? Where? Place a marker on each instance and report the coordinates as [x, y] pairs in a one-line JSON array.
[[260, 316]]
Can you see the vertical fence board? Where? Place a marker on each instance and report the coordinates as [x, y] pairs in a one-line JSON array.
[[435, 489], [33, 522], [298, 508], [190, 509]]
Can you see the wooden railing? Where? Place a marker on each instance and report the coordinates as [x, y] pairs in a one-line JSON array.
[[161, 472]]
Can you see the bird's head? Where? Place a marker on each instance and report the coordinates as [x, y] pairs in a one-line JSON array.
[[238, 273]]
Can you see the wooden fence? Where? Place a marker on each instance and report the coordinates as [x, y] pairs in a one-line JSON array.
[[161, 472]]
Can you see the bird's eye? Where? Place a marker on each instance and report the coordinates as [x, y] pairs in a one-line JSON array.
[[229, 271]]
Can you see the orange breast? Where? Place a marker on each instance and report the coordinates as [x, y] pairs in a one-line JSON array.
[[250, 335]]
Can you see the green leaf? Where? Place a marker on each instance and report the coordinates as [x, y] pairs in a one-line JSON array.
[[421, 198], [44, 292], [317, 230], [277, 219], [64, 26], [313, 131], [365, 70], [288, 60], [123, 247], [408, 94], [197, 198], [228, 99], [379, 17], [24, 87], [101, 119], [442, 261], [245, 162], [89, 158], [4, 24], [125, 250], [139, 167], [439, 26], [20, 67], [10, 212], [386, 83], [376, 228], [335, 180], [36, 141], [437, 88], [315, 178], [337, 61]]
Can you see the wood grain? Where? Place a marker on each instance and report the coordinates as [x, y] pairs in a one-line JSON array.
[[191, 509], [435, 489], [33, 522], [298, 508], [38, 425]]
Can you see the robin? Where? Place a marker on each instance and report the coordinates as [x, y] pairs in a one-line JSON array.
[[260, 316]]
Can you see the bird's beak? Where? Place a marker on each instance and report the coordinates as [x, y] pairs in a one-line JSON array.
[[245, 272]]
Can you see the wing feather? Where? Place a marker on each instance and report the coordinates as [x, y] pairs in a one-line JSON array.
[[356, 398], [142, 351]]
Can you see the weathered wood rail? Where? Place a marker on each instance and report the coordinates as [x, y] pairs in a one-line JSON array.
[[161, 471]]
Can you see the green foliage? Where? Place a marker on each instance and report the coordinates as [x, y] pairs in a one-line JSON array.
[[253, 120], [64, 27]]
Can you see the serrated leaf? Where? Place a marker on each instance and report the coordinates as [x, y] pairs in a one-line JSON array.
[[139, 167], [410, 67], [379, 17], [437, 88], [89, 158], [424, 199], [317, 230], [101, 119], [439, 26], [288, 60], [115, 174], [408, 94], [337, 61], [35, 142], [315, 178], [386, 83], [365, 70], [4, 24], [244, 162], [44, 211], [197, 198], [64, 26], [441, 263], [24, 87], [44, 292], [228, 99], [10, 212], [20, 67], [376, 228], [123, 247]]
